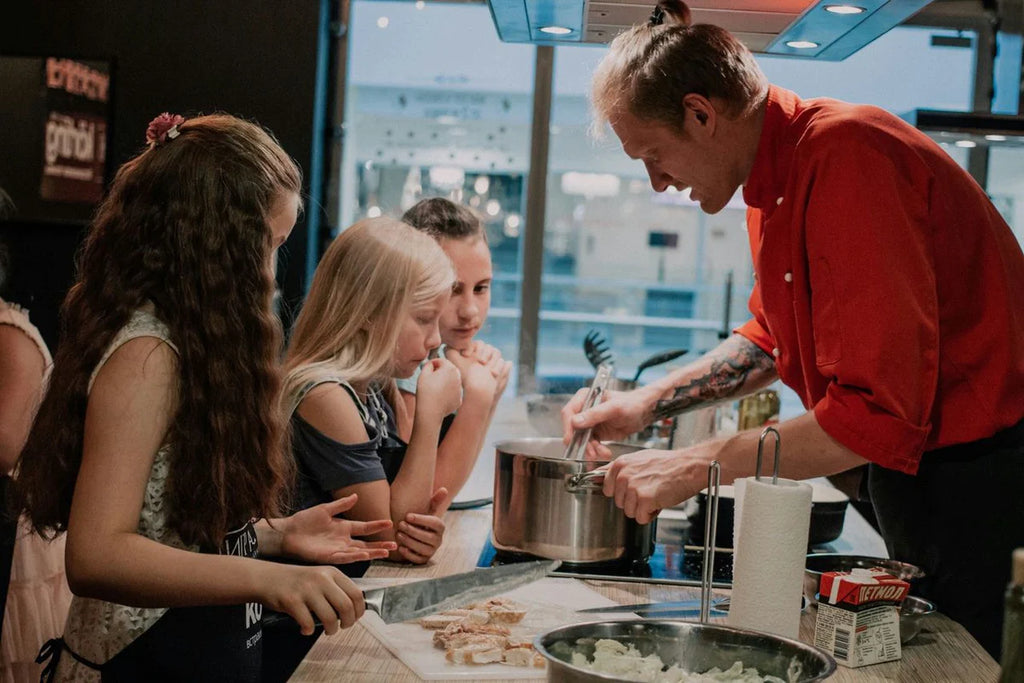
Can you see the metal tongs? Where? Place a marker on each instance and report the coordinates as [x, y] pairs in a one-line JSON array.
[[710, 532], [578, 445]]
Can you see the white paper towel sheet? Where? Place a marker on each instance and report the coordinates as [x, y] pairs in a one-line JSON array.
[[770, 531]]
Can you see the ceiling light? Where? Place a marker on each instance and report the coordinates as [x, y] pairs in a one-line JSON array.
[[373, 212], [996, 138], [420, 4], [968, 144], [382, 22], [556, 30], [492, 207], [801, 44], [481, 184], [844, 9]]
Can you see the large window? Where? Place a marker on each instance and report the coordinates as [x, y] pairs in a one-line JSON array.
[[437, 105], [652, 272]]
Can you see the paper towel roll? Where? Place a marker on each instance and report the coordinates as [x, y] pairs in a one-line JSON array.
[[770, 530]]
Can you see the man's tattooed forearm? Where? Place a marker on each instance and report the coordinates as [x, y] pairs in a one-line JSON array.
[[726, 377]]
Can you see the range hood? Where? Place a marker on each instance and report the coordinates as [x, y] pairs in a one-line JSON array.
[[828, 30], [970, 129]]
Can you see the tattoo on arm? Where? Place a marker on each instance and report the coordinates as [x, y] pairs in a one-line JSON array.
[[726, 377]]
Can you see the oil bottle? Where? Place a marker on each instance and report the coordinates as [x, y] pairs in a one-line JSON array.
[[1013, 625]]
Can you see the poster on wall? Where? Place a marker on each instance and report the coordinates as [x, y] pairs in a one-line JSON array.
[[75, 130]]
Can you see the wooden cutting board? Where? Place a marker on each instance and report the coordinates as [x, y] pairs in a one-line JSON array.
[[550, 603]]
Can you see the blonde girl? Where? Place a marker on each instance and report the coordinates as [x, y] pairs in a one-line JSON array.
[[371, 316]]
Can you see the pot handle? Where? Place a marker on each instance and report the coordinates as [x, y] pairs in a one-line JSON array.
[[585, 481]]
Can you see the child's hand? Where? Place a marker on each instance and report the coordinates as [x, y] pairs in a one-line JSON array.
[[484, 356], [306, 593], [438, 388], [478, 381], [503, 374], [419, 536], [318, 535]]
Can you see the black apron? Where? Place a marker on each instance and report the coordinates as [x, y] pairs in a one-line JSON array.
[[212, 643], [959, 519]]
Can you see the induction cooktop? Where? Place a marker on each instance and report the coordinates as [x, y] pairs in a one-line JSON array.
[[678, 559]]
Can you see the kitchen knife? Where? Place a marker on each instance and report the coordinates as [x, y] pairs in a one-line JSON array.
[[419, 598], [415, 599], [691, 613], [721, 604]]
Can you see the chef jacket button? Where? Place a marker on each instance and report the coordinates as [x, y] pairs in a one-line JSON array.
[[778, 201], [776, 352], [788, 277]]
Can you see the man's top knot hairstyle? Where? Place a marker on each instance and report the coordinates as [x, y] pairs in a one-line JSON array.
[[650, 68]]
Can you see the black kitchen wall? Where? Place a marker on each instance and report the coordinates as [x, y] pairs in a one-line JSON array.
[[254, 58]]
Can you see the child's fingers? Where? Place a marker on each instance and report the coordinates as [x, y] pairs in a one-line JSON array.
[[431, 522], [431, 535], [336, 507], [428, 537], [347, 556], [302, 616], [416, 545], [369, 528], [473, 349], [486, 354], [353, 597], [436, 502], [411, 556], [374, 545]]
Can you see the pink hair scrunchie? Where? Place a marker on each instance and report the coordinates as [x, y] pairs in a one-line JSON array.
[[163, 128]]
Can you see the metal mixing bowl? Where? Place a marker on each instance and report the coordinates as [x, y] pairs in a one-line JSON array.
[[912, 612], [694, 647], [819, 563]]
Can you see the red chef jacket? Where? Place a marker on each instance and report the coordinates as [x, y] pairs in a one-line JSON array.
[[888, 287]]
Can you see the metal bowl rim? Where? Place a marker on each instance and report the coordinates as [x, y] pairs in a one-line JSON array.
[[919, 573], [830, 662], [928, 607]]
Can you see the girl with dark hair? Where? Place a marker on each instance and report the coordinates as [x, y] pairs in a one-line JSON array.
[[160, 440], [483, 372]]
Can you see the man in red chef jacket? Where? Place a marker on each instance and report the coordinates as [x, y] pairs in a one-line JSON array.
[[889, 295]]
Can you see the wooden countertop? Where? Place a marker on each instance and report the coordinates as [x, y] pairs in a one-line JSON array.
[[943, 651]]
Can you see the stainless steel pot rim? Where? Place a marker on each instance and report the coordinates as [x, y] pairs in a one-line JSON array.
[[539, 646], [517, 447]]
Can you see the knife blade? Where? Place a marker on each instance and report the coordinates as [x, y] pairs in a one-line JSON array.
[[407, 601], [691, 613], [721, 604]]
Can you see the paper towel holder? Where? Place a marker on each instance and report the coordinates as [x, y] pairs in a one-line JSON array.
[[760, 446], [710, 532]]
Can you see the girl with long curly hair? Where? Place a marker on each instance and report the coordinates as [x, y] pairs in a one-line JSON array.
[[160, 441]]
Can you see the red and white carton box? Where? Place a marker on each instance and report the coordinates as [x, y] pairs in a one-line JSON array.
[[858, 616]]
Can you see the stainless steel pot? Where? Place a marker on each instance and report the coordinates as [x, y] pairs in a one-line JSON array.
[[550, 507], [694, 647]]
